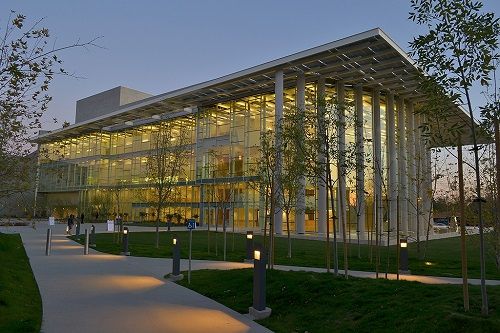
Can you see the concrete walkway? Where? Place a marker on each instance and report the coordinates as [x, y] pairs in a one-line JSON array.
[[107, 293]]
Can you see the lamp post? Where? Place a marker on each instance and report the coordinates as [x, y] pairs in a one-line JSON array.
[[125, 242], [403, 256], [176, 260], [249, 257], [258, 310]]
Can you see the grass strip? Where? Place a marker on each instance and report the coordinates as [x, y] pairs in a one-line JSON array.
[[20, 302], [320, 302], [442, 256]]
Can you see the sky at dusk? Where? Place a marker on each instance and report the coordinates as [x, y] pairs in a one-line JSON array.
[[159, 46]]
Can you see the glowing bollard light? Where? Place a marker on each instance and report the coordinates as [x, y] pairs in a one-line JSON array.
[[259, 310], [48, 244], [403, 257], [249, 257], [176, 261], [92, 236], [125, 242]]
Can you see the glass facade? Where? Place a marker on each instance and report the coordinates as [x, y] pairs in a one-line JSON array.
[[106, 172]]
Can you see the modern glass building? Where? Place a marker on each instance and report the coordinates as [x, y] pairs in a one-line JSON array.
[[99, 164]]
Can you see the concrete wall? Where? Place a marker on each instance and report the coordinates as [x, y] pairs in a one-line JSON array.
[[106, 102]]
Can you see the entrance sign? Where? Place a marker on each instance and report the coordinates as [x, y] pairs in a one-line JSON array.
[[52, 220]]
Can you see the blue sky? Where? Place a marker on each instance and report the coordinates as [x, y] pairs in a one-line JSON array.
[[158, 46]]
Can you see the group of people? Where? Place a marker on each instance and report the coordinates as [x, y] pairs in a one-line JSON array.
[[71, 222]]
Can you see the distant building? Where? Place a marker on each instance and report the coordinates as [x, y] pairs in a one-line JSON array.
[[108, 145]]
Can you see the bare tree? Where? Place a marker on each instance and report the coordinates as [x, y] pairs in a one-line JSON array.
[[169, 155]]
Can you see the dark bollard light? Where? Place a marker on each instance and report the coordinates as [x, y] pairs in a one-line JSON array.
[[86, 248], [249, 257], [125, 242], [176, 261], [48, 244], [259, 310], [403, 256], [92, 236]]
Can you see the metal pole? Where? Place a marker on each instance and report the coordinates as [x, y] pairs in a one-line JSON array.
[[48, 244], [86, 248], [190, 243]]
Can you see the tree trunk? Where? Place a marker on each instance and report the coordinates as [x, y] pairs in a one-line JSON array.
[[484, 295], [287, 213], [332, 202], [158, 210], [497, 210], [344, 233], [463, 248]]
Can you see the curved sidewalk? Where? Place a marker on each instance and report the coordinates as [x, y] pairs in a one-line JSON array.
[[108, 293]]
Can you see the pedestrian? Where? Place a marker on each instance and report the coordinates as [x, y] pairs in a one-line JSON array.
[[70, 224], [81, 218]]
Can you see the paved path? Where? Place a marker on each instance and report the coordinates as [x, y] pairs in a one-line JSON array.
[[107, 293]]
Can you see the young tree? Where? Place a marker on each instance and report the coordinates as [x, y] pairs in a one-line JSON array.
[[457, 52], [264, 185], [323, 147], [169, 155], [293, 167], [28, 63], [491, 123]]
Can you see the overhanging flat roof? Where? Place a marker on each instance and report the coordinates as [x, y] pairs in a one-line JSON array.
[[370, 58]]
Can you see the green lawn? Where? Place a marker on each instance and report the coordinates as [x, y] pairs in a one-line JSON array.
[[319, 302], [442, 259], [20, 302]]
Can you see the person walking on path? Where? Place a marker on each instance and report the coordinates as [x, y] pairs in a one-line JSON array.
[[70, 224], [81, 218]]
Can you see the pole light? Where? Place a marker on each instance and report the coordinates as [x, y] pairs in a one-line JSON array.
[[176, 261], [249, 257], [403, 256], [258, 310], [125, 242]]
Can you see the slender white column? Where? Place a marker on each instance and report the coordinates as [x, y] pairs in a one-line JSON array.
[[342, 211], [360, 164], [377, 152], [278, 116], [321, 161], [412, 191], [393, 166], [403, 173], [300, 213]]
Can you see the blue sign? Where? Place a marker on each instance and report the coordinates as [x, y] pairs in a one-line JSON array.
[[191, 224]]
